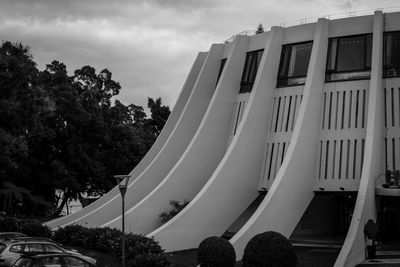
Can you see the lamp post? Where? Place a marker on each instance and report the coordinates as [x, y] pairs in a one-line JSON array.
[[123, 181]]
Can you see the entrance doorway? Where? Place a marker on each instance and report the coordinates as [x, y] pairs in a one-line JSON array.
[[389, 219]]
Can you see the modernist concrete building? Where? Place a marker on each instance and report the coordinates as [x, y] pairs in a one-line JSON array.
[[291, 130]]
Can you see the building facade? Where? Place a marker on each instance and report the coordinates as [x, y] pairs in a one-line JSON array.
[[295, 130]]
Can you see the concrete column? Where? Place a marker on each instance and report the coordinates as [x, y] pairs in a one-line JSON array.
[[173, 148], [203, 154], [234, 183], [155, 149], [292, 190], [353, 250]]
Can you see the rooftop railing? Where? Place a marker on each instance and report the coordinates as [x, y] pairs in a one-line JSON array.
[[315, 19]]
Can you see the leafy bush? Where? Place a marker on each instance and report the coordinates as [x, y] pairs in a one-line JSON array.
[[10, 224], [34, 228], [140, 250], [176, 208], [148, 260], [269, 249], [28, 227], [216, 252]]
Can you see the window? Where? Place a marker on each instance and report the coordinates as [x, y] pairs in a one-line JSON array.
[[349, 58], [75, 262], [294, 64], [52, 249], [253, 59], [16, 248], [35, 248], [221, 68], [391, 54]]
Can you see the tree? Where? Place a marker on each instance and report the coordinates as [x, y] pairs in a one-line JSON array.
[[260, 29], [61, 135]]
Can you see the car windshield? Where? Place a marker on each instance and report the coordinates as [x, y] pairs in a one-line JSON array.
[[2, 247], [22, 262]]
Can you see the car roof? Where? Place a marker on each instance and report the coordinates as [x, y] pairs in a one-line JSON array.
[[46, 254], [32, 238], [12, 233]]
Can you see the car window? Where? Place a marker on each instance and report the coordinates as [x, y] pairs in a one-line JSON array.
[[75, 262], [35, 248], [50, 261], [52, 248], [2, 247], [22, 262], [16, 248]]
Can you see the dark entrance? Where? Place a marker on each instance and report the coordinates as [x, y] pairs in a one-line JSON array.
[[389, 218]]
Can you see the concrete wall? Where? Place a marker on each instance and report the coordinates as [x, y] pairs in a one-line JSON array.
[[202, 155], [291, 192], [155, 149], [173, 148], [233, 185], [353, 250]]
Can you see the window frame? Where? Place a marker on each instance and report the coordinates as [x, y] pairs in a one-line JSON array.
[[329, 72], [246, 86], [287, 78], [383, 56], [221, 69]]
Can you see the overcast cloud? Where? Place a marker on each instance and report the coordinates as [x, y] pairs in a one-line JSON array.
[[148, 45]]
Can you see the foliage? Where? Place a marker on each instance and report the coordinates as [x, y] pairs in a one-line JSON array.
[[34, 228], [176, 208], [65, 133], [216, 252], [28, 227], [269, 249], [260, 29], [141, 250]]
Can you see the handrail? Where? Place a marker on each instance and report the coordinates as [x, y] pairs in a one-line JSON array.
[[315, 19]]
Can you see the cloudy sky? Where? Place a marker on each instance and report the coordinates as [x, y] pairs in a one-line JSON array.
[[148, 45]]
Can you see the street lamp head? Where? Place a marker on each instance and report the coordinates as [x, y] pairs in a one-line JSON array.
[[122, 181]]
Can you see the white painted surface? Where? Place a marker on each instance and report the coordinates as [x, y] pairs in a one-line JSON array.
[[233, 185], [353, 250], [155, 149], [292, 190], [173, 148], [202, 155]]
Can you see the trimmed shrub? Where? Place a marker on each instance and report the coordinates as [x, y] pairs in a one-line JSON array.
[[35, 228], [28, 227], [140, 250], [269, 249], [216, 252]]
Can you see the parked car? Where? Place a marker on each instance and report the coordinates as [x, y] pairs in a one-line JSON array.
[[51, 260], [12, 249], [9, 235]]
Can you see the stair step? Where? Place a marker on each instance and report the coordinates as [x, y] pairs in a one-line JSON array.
[[380, 263]]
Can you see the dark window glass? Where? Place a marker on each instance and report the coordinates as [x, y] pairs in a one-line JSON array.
[[349, 58], [391, 54], [294, 64], [221, 68], [16, 248], [250, 70], [75, 262]]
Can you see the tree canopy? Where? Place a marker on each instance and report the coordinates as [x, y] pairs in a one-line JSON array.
[[64, 135], [260, 29]]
